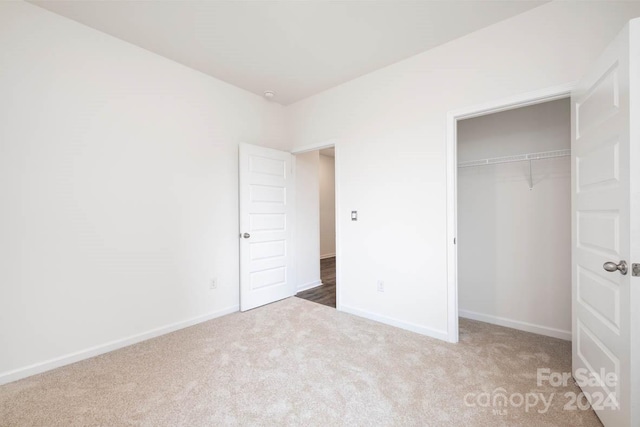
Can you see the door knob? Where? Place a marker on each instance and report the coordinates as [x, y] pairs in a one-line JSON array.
[[246, 235], [612, 266]]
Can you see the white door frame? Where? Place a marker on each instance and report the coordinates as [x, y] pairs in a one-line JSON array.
[[319, 146], [516, 101]]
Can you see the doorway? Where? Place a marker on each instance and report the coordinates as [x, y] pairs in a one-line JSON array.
[[523, 100], [514, 218], [316, 206]]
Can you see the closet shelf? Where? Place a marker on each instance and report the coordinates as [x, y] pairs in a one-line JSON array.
[[518, 158]]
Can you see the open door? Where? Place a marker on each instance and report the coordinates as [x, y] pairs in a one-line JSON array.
[[266, 223], [604, 216]]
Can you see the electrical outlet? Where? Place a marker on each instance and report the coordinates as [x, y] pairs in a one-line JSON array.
[[380, 286], [213, 284]]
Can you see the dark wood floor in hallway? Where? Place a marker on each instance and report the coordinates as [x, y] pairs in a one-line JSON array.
[[325, 294]]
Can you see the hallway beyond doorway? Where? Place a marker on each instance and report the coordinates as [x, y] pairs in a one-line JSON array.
[[326, 293]]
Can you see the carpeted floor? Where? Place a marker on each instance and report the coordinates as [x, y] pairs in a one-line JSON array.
[[295, 362]]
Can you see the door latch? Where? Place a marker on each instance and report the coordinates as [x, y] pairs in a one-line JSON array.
[[635, 270]]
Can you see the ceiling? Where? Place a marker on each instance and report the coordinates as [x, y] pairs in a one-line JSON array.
[[294, 48]]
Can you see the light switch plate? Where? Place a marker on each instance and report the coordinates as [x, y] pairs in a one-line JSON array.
[[354, 215]]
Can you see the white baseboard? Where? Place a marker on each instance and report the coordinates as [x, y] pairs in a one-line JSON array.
[[327, 256], [37, 368], [422, 330], [517, 324], [309, 285]]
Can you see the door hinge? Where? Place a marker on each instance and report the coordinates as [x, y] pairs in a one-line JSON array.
[[635, 270]]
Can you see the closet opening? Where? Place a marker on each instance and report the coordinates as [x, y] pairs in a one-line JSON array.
[[513, 237]]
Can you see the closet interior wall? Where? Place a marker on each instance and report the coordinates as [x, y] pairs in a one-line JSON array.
[[514, 244]]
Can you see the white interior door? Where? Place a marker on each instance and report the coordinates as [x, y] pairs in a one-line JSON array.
[[604, 306], [266, 223]]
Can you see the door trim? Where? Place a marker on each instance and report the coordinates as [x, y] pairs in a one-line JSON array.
[[335, 143], [517, 101]]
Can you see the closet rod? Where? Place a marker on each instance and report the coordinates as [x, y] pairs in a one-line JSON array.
[[518, 158]]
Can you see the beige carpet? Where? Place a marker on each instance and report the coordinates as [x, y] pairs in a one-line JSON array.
[[295, 362]]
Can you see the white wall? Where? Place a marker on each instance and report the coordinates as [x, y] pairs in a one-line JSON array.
[[327, 206], [389, 127], [307, 250], [118, 184], [514, 245]]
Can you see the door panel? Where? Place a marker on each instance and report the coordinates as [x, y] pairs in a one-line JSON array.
[[266, 224], [600, 296], [601, 233]]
